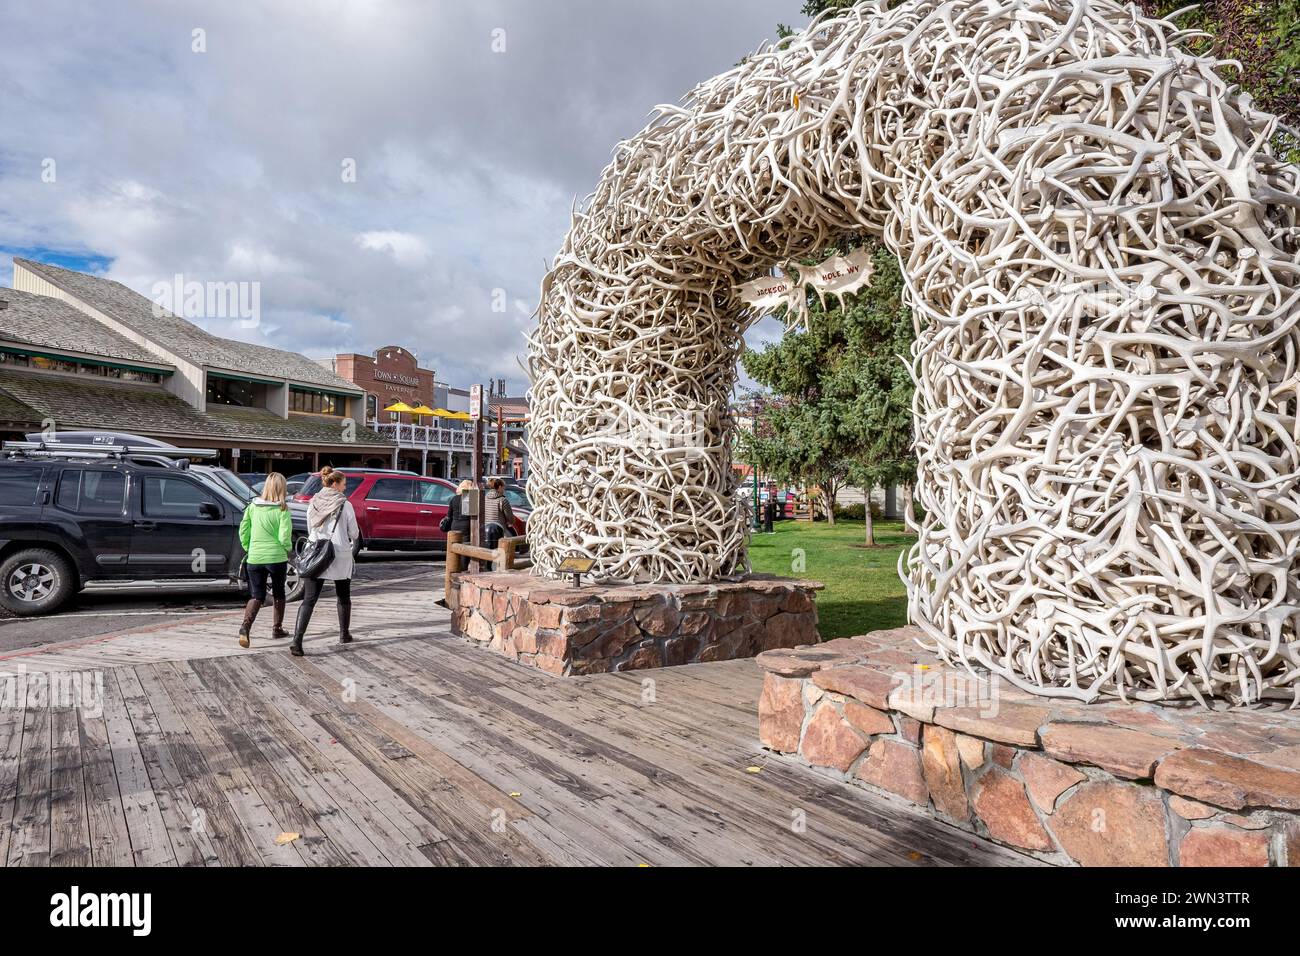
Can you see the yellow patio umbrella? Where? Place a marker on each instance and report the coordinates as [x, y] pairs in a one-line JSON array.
[[458, 416], [401, 408], [422, 410]]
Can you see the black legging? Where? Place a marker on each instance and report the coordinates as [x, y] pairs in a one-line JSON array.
[[258, 575], [311, 593]]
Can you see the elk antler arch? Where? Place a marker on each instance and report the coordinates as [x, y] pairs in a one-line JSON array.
[[1101, 254]]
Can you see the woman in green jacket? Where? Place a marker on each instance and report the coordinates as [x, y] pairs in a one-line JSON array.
[[267, 536]]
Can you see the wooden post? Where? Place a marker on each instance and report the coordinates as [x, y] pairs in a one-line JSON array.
[[476, 523], [507, 560], [451, 594]]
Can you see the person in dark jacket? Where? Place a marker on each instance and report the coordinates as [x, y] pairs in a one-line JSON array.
[[455, 521]]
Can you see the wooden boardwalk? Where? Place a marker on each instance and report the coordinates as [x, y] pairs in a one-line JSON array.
[[413, 748]]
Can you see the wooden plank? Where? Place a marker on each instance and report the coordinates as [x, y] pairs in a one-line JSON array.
[[614, 837], [69, 816], [13, 703], [191, 845], [290, 809], [30, 843], [453, 811], [150, 844], [222, 767], [214, 825], [110, 840], [476, 738], [336, 806], [699, 781], [413, 744], [406, 820]]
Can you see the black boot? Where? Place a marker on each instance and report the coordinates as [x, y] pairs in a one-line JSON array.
[[299, 629], [345, 619], [246, 629], [277, 625]]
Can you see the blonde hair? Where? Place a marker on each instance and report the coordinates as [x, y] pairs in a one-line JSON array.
[[274, 490], [331, 476], [465, 486]]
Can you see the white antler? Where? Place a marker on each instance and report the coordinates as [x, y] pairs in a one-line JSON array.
[[1102, 257]]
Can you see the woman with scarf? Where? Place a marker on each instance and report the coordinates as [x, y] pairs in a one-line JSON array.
[[330, 516]]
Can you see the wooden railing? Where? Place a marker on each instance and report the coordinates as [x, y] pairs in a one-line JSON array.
[[501, 558]]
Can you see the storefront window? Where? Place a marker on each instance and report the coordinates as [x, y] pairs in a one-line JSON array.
[[70, 366], [314, 403], [226, 391]]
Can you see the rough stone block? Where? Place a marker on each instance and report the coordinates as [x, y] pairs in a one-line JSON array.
[[1113, 824], [829, 741], [941, 766], [1126, 753], [780, 713], [1223, 846], [1047, 779], [1227, 781], [1000, 802], [894, 766]]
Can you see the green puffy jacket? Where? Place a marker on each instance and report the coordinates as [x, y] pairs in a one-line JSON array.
[[266, 533]]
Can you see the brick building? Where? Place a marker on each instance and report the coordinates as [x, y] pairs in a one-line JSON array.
[[390, 375], [425, 444]]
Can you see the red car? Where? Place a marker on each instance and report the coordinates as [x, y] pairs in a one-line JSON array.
[[396, 511]]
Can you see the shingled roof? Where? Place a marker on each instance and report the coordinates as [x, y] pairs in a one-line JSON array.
[[51, 325], [182, 337], [79, 402]]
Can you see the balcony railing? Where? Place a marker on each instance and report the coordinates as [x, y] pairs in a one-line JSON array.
[[433, 437]]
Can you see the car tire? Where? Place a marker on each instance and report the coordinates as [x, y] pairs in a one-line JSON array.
[[293, 585], [357, 547], [293, 581], [36, 581]]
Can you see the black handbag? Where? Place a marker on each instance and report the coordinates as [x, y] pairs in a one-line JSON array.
[[318, 555]]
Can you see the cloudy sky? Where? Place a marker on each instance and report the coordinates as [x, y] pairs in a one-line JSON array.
[[221, 155]]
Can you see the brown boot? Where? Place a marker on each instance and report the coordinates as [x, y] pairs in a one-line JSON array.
[[277, 624], [246, 629]]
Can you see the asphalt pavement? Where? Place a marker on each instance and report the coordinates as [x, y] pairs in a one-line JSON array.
[[93, 613]]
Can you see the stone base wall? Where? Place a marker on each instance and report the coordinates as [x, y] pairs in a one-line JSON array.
[[600, 628], [1106, 784]]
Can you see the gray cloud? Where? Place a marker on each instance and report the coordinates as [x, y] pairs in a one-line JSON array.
[[226, 165]]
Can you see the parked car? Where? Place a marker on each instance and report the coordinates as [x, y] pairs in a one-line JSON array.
[[397, 510], [254, 479], [78, 515]]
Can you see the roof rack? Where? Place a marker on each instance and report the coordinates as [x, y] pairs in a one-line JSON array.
[[176, 457]]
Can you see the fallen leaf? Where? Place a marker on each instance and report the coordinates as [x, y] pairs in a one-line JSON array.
[[516, 793], [753, 770], [284, 838], [914, 855]]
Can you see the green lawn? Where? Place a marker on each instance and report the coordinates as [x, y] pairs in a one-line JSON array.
[[863, 592]]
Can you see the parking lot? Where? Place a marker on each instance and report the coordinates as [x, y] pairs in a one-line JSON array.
[[94, 613]]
